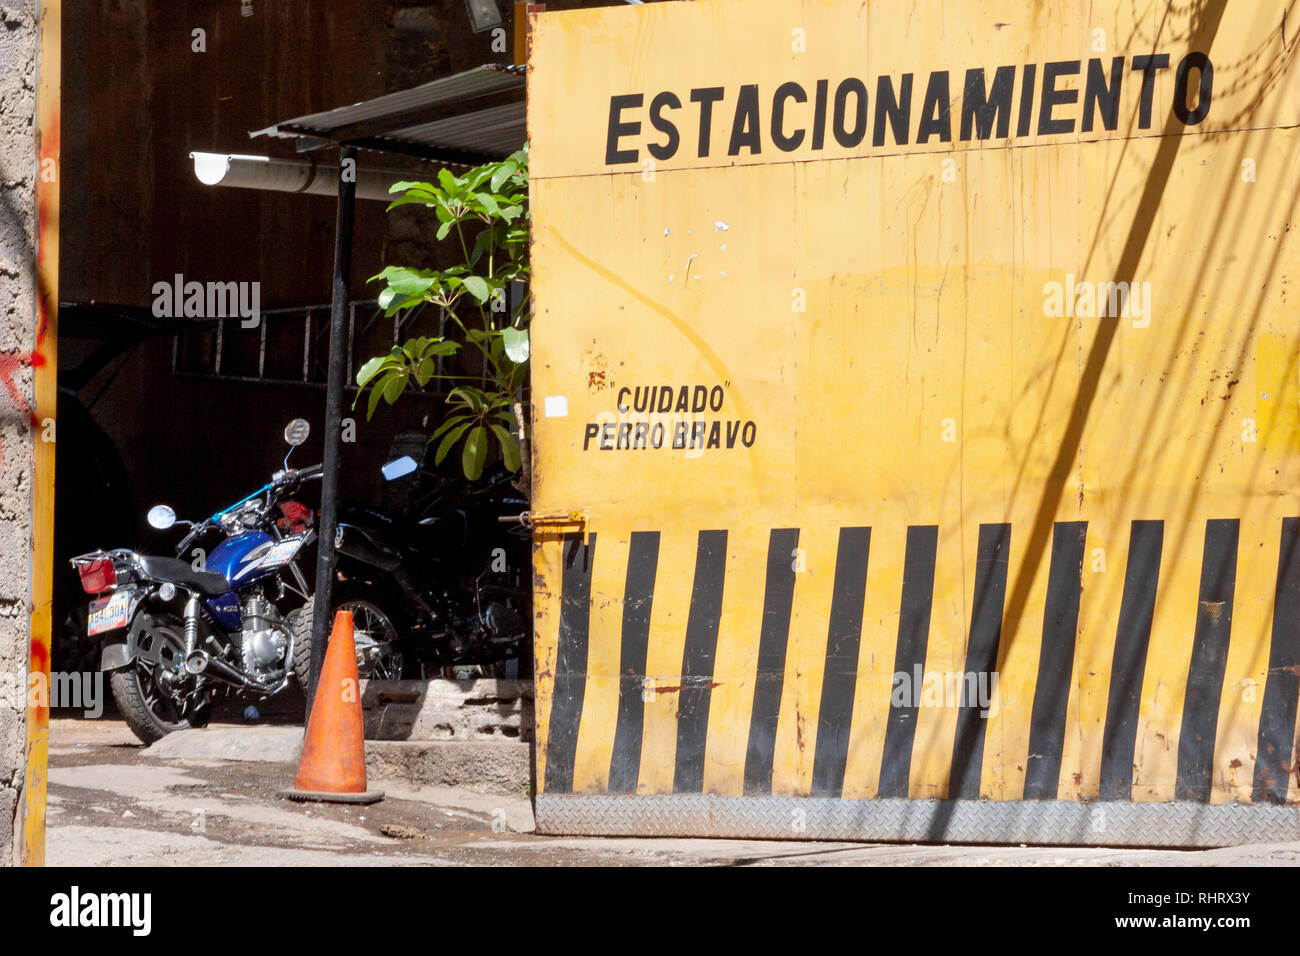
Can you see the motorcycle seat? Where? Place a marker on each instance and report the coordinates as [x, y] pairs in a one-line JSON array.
[[177, 571]]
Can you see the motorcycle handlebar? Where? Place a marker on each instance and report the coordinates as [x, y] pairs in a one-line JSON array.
[[299, 474], [194, 533], [288, 478]]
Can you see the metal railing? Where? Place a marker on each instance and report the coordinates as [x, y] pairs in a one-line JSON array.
[[291, 346]]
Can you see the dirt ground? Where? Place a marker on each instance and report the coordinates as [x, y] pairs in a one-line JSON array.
[[111, 806]]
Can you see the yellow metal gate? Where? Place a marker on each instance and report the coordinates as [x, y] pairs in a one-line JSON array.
[[917, 438]]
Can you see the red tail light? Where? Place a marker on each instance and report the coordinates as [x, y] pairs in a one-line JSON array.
[[297, 517], [97, 575]]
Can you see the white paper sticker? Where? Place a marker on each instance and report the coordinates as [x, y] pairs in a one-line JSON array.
[[557, 406]]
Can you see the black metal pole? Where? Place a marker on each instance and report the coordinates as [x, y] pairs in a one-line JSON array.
[[333, 416]]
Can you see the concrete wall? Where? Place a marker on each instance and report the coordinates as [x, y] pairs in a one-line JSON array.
[[17, 332]]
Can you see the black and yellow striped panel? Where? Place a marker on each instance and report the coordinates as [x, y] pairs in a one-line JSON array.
[[867, 729], [988, 560]]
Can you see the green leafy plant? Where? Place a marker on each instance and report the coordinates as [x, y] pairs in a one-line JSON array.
[[388, 375], [485, 211], [477, 415]]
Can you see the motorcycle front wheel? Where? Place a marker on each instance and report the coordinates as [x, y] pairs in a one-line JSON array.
[[373, 632]]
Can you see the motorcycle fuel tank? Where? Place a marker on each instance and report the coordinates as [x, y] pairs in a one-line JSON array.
[[238, 556]]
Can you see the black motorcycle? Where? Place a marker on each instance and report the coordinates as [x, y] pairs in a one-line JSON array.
[[442, 587]]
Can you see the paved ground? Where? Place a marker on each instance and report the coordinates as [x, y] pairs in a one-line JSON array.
[[109, 806]]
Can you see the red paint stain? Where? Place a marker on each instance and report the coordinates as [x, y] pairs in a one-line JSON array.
[[40, 707], [10, 362]]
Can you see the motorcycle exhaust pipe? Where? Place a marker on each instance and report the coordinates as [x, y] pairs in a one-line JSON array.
[[202, 663]]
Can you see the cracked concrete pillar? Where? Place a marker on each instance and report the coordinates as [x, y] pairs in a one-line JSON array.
[[18, 64]]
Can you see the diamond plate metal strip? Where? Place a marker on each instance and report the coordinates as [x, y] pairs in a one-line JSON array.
[[909, 821]]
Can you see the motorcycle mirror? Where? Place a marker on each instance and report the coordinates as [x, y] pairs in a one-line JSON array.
[[161, 517], [399, 468], [296, 432]]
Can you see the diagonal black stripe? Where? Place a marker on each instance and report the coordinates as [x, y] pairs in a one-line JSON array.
[[695, 692], [840, 678], [1209, 657], [1129, 662], [1055, 661], [991, 563], [1282, 687], [570, 685], [642, 562], [909, 660], [770, 677]]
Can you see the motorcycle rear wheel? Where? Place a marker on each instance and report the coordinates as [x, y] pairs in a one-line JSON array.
[[145, 706]]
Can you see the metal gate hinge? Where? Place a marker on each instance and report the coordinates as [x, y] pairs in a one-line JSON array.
[[531, 519]]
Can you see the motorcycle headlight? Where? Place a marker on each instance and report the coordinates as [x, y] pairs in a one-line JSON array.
[[242, 518]]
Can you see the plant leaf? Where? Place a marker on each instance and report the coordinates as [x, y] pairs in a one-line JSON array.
[[367, 371], [425, 369], [450, 422], [470, 396], [509, 447], [437, 347], [421, 198], [478, 288], [449, 441], [504, 171], [409, 281], [376, 393], [474, 178], [475, 453], [516, 343], [394, 385]]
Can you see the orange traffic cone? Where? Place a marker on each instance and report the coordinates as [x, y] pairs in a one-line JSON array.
[[332, 767]]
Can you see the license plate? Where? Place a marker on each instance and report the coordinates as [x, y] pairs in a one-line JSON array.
[[283, 551], [108, 613]]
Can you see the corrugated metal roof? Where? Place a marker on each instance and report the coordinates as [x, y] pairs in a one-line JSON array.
[[472, 117]]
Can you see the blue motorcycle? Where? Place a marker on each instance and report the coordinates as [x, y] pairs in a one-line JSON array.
[[178, 634]]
